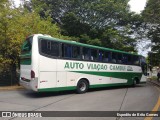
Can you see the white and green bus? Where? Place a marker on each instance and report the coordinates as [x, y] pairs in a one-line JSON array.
[[51, 64]]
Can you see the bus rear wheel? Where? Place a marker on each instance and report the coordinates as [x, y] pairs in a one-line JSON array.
[[82, 86]]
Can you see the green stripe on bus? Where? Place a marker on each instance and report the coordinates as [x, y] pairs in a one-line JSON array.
[[74, 87], [25, 59], [57, 89], [107, 85], [25, 62], [122, 75]]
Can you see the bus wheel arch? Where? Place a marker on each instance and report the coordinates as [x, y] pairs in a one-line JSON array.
[[82, 85], [135, 81]]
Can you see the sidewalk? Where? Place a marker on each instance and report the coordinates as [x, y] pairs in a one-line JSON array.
[[15, 87], [155, 82]]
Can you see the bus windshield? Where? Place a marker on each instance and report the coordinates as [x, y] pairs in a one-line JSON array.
[[27, 45]]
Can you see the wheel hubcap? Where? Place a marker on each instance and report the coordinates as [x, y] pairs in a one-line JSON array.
[[82, 86]]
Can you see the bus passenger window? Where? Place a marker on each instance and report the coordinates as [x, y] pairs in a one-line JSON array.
[[93, 54], [119, 58], [101, 55], [27, 45], [66, 51], [86, 54], [76, 52], [50, 48], [135, 60], [129, 59], [107, 56], [114, 57], [125, 59]]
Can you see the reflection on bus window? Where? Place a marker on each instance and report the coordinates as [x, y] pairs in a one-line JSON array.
[[93, 54], [129, 61], [104, 56], [135, 60], [114, 57], [86, 53], [27, 45], [66, 51], [50, 48], [119, 58], [76, 52]]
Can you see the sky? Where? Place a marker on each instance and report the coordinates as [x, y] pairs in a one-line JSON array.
[[135, 5]]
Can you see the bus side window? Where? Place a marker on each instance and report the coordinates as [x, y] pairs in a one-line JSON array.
[[129, 59], [119, 58], [107, 56], [86, 53], [27, 45], [66, 51], [76, 52], [124, 59], [101, 55], [93, 54], [44, 46], [114, 57], [135, 60], [50, 48]]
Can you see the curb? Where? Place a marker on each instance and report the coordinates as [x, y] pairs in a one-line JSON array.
[[153, 82], [9, 88]]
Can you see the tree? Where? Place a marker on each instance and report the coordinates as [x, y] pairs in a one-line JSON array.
[[89, 20], [151, 16], [15, 25]]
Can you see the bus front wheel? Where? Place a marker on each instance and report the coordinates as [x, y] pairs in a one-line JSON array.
[[134, 83], [82, 86]]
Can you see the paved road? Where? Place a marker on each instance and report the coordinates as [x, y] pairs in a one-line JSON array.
[[141, 98]]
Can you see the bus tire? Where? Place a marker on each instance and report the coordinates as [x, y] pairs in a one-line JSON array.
[[134, 83], [82, 86]]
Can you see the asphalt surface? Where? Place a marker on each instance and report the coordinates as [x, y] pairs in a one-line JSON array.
[[141, 98]]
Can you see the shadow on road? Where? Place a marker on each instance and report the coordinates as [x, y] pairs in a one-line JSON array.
[[32, 94]]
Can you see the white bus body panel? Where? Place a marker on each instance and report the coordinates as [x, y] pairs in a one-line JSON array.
[[47, 72]]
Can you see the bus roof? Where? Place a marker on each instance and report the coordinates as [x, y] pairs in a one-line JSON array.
[[84, 45]]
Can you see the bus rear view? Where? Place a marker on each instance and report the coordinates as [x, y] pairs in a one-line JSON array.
[[27, 69]]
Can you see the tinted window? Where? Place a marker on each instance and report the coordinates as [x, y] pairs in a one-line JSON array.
[[114, 57], [50, 48], [135, 60], [93, 54], [101, 55], [127, 59], [66, 51], [76, 52], [27, 45], [119, 58], [104, 56], [86, 54]]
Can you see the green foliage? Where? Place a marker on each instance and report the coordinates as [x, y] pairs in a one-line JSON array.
[[15, 25], [151, 15], [106, 23]]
